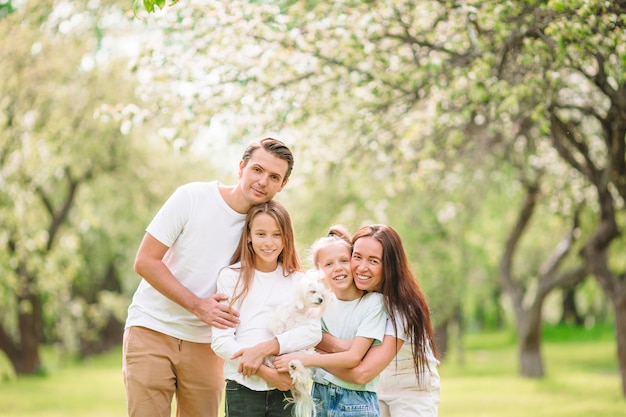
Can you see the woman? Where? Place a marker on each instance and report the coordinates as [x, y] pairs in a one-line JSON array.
[[407, 358], [352, 314]]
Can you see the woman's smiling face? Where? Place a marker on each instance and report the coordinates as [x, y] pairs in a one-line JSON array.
[[367, 264]]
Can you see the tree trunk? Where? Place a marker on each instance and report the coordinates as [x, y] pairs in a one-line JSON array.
[[596, 254], [620, 335], [529, 345], [24, 353], [498, 322], [111, 334], [570, 312], [26, 361], [108, 337]]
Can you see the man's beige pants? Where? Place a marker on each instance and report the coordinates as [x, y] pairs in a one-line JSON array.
[[156, 367]]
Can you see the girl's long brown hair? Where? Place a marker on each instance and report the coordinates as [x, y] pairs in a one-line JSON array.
[[245, 253], [402, 295]]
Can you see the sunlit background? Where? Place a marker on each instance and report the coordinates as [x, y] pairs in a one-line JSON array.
[[490, 134]]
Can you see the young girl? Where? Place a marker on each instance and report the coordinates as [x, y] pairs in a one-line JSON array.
[[264, 269], [350, 314]]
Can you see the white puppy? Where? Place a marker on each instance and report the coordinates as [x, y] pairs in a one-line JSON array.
[[309, 303]]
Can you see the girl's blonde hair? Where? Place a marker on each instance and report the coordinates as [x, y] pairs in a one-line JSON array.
[[336, 233], [245, 253]]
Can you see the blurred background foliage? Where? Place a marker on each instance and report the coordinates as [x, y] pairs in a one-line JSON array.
[[491, 135]]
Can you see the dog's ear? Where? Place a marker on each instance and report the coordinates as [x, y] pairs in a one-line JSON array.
[[300, 301], [315, 275], [301, 290]]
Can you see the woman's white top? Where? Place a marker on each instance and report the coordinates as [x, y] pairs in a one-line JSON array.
[[406, 352]]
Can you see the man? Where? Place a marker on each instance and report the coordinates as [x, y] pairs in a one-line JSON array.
[[167, 348]]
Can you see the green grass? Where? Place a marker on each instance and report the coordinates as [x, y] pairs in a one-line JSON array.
[[582, 380], [93, 388], [581, 377]]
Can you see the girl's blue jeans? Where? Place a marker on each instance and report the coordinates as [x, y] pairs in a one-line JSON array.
[[334, 401]]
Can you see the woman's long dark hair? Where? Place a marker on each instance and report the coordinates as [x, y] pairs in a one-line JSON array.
[[402, 295]]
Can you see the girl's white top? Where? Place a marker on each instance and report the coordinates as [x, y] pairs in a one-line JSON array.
[[267, 292], [201, 232], [364, 317]]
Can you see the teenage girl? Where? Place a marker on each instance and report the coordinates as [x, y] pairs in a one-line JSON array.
[[350, 314], [262, 275]]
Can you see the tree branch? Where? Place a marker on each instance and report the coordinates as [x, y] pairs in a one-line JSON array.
[[562, 134], [549, 277], [506, 261]]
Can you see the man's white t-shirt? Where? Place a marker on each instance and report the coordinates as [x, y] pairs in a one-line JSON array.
[[202, 232]]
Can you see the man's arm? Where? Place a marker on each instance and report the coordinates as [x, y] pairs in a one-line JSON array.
[[149, 265]]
